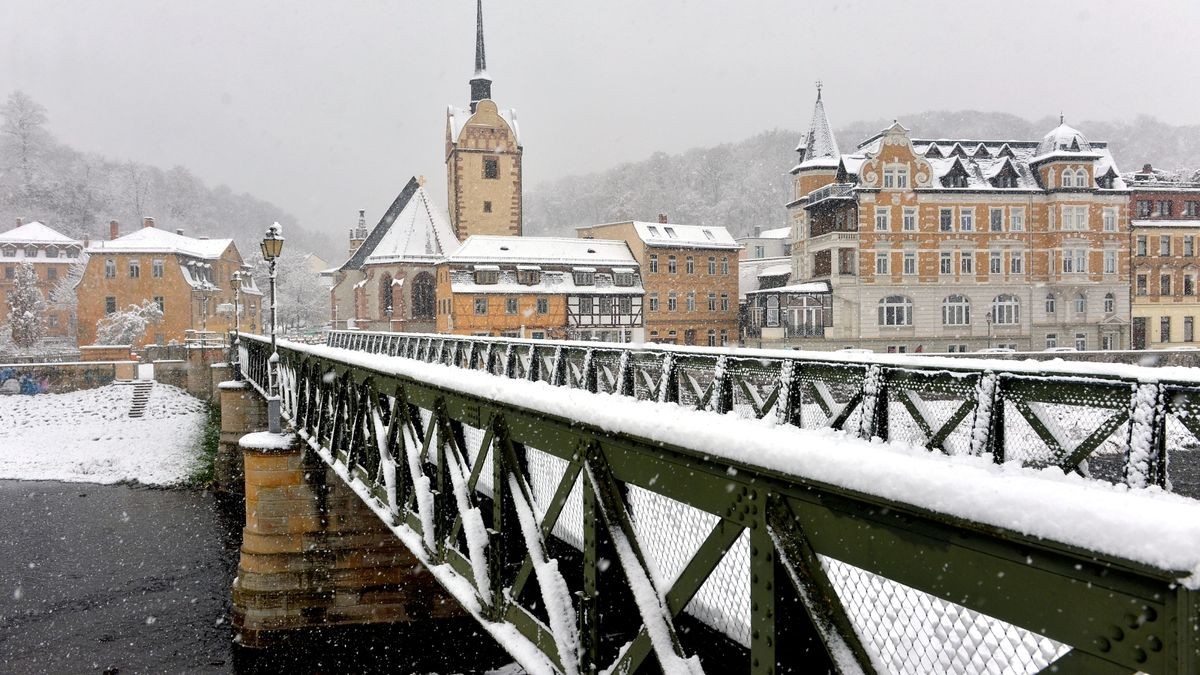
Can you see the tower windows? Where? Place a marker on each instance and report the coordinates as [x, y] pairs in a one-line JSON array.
[[491, 168]]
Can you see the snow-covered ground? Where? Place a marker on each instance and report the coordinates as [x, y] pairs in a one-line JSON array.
[[88, 436]]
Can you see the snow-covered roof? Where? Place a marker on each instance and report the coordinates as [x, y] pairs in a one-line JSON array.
[[36, 233], [155, 240], [819, 143], [1063, 138], [692, 236], [749, 272], [421, 232], [776, 270], [1166, 223], [198, 275], [776, 233], [806, 287], [459, 117], [559, 281], [482, 248]]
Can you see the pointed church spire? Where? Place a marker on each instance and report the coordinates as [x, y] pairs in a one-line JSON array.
[[481, 84], [820, 141]]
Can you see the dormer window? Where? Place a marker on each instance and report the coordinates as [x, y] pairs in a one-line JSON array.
[[670, 232], [653, 231], [956, 177], [584, 276], [51, 252], [708, 235], [529, 275], [934, 151], [10, 252], [487, 275], [30, 251], [622, 276], [72, 252]]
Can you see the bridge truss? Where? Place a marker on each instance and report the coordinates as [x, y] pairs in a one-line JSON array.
[[587, 548]]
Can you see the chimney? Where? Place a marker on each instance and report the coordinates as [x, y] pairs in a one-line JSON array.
[[662, 218], [114, 230], [757, 231], [20, 222], [147, 222], [87, 241], [179, 231], [1146, 168]]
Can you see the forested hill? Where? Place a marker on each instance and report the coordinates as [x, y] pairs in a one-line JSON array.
[[78, 193], [745, 184]]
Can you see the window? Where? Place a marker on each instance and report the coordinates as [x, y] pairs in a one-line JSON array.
[[1189, 283], [51, 252], [31, 251], [135, 268], [672, 301], [481, 305], [424, 295], [691, 301], [10, 252], [653, 230], [712, 337], [725, 266], [724, 303], [543, 305], [1191, 209], [1016, 262], [759, 252], [622, 278], [1144, 208], [670, 232], [487, 277], [1110, 220], [946, 220], [1164, 329], [883, 219], [606, 305], [487, 207], [895, 177], [1074, 260], [1141, 245], [846, 261], [672, 268], [528, 276], [966, 262], [491, 168], [1074, 218], [584, 277], [1189, 246], [724, 337], [910, 263], [1051, 340], [110, 269], [1006, 310], [966, 220], [946, 263], [1068, 178], [1080, 304], [691, 265], [1050, 304], [1110, 303], [654, 263], [110, 305], [653, 300], [510, 305], [881, 263], [1110, 262], [161, 302], [712, 265], [895, 310], [1016, 219], [956, 311], [909, 223], [72, 253], [996, 220], [712, 302], [1164, 284], [1189, 329], [1081, 178], [1163, 209], [625, 304], [1141, 284], [156, 268], [1164, 245], [995, 263]]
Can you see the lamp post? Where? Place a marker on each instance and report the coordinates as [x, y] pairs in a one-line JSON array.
[[236, 282], [989, 329], [272, 245]]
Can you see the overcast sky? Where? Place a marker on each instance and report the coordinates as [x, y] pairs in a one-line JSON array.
[[326, 107]]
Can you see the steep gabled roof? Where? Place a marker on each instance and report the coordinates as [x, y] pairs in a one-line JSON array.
[[421, 232], [368, 246], [819, 142]]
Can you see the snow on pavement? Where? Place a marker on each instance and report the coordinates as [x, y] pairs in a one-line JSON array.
[[88, 437]]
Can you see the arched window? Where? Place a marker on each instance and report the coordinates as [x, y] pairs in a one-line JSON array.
[[1080, 303], [1050, 306], [1006, 310], [895, 310], [385, 296], [1110, 303], [956, 311], [423, 295], [1081, 178], [1068, 178]]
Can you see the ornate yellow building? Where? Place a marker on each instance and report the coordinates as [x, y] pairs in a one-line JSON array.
[[483, 158]]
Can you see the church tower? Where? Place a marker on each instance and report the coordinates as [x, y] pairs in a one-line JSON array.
[[483, 157]]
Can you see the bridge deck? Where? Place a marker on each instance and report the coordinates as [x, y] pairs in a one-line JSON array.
[[588, 530]]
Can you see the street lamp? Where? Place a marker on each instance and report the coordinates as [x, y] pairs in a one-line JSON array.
[[236, 282], [988, 316], [272, 245]]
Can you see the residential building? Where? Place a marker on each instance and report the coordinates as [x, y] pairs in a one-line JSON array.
[[189, 278], [483, 158], [1165, 231], [541, 287], [52, 255], [691, 278], [388, 283], [960, 244], [766, 244]]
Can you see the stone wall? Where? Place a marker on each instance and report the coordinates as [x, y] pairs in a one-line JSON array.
[[172, 372], [57, 378]]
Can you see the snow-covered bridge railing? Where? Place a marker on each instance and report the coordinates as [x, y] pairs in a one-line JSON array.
[[1076, 416], [591, 532]]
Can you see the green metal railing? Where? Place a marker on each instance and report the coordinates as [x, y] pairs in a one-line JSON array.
[[602, 550], [1074, 416]]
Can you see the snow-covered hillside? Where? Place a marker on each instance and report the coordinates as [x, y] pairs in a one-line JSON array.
[[87, 436]]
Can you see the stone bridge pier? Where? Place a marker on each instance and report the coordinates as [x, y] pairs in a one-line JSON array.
[[314, 558]]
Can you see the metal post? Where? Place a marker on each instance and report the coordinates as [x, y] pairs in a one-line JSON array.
[[237, 326], [273, 409]]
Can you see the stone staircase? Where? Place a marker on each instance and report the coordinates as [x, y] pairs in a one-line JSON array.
[[141, 396]]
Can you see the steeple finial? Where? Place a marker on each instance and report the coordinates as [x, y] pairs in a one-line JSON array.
[[481, 84], [1062, 119], [818, 90]]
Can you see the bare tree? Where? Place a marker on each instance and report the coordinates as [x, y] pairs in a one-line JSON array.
[[127, 326], [23, 130]]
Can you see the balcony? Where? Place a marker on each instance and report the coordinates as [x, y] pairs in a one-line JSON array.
[[839, 191]]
